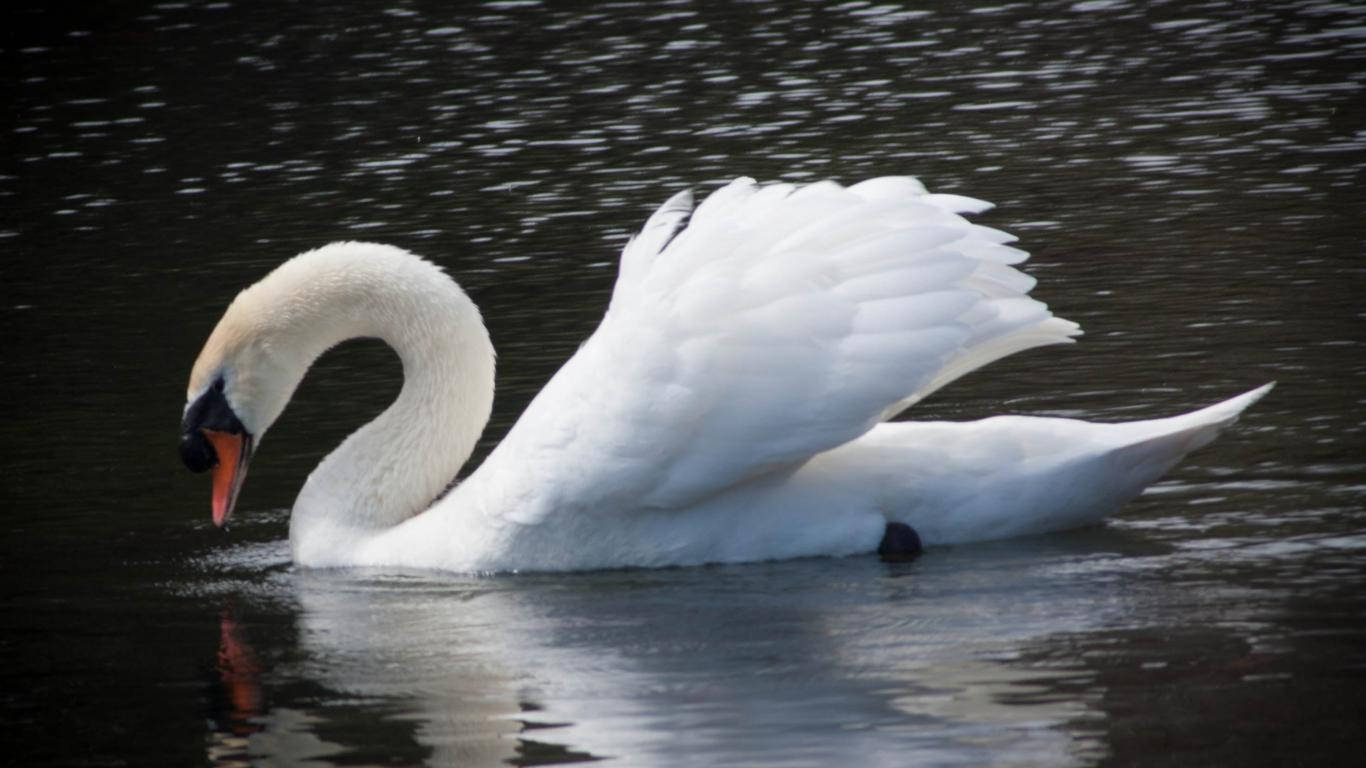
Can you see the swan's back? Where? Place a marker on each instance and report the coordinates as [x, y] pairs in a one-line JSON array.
[[770, 324]]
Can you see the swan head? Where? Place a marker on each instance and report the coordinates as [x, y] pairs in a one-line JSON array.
[[240, 383]]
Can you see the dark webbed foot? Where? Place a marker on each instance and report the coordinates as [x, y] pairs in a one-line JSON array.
[[900, 543]]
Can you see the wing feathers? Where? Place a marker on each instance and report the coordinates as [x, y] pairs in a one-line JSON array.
[[860, 300], [773, 323], [937, 270], [923, 310], [889, 188], [958, 203]]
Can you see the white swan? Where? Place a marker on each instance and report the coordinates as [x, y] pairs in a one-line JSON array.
[[731, 406]]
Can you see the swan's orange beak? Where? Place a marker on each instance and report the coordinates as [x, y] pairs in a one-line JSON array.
[[234, 453]]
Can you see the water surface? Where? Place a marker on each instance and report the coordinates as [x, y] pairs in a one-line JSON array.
[[1187, 176]]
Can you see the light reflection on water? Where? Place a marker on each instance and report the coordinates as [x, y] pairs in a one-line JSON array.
[[1186, 176]]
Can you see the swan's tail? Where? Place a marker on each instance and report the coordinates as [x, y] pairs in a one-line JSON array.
[[1204, 425], [1147, 450], [1007, 476]]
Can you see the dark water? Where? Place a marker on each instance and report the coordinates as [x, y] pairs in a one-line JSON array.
[[1189, 177]]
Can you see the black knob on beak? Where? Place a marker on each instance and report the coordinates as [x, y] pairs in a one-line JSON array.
[[197, 452]]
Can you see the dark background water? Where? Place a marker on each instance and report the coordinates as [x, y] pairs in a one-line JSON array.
[[1188, 176]]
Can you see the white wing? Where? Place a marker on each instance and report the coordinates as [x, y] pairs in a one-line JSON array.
[[770, 324]]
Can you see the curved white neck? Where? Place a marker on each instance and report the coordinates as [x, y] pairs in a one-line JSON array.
[[395, 466]]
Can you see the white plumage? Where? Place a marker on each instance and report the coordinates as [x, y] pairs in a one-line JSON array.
[[729, 407]]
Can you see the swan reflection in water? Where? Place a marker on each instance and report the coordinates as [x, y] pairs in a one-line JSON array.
[[833, 661]]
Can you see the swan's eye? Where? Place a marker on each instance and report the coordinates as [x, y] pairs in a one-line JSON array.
[[218, 384]]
